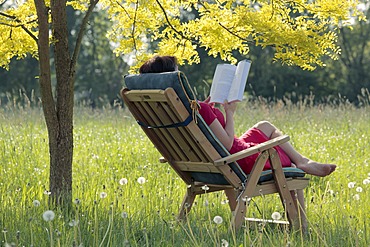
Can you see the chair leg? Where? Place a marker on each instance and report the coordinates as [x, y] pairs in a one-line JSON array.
[[231, 196], [302, 210], [186, 204], [289, 203], [243, 199]]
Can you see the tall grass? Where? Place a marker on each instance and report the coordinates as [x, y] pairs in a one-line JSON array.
[[111, 149]]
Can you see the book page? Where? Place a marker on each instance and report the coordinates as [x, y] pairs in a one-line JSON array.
[[240, 79], [221, 82]]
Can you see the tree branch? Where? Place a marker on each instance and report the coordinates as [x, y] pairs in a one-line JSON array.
[[170, 24], [14, 18], [134, 23], [80, 36], [227, 29]]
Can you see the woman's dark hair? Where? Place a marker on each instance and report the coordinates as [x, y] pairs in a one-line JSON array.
[[159, 64]]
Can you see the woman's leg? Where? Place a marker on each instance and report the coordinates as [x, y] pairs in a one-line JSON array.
[[307, 165]]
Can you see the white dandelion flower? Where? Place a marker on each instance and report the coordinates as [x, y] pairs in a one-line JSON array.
[[351, 185], [36, 203], [359, 189], [223, 202], [218, 219], [123, 181], [224, 243], [48, 215], [124, 215], [103, 195], [356, 197], [141, 180], [205, 187], [366, 181], [73, 223], [276, 216], [246, 199]]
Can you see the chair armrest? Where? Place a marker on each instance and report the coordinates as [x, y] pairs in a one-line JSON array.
[[253, 150]]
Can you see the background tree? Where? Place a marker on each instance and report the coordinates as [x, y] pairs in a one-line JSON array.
[[300, 33], [26, 29]]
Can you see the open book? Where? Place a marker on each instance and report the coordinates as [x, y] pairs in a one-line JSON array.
[[229, 82]]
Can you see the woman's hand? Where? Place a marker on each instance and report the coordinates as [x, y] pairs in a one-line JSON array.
[[207, 100], [230, 107]]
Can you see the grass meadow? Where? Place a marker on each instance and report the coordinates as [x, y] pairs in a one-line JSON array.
[[125, 197]]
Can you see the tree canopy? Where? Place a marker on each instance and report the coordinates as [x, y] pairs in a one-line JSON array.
[[301, 32]]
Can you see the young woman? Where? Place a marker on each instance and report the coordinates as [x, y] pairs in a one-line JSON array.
[[223, 128]]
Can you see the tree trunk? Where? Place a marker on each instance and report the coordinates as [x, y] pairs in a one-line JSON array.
[[61, 146], [58, 112]]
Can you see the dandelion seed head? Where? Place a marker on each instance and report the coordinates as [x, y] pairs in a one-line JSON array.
[[276, 216], [36, 203], [48, 215], [103, 195], [124, 215], [123, 181], [366, 181], [73, 223], [224, 243], [205, 187], [246, 199], [359, 189], [351, 185], [141, 180], [356, 197], [218, 219], [223, 202]]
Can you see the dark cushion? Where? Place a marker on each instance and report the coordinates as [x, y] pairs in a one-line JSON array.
[[289, 172]]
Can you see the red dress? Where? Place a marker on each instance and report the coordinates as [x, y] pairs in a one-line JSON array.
[[249, 139]]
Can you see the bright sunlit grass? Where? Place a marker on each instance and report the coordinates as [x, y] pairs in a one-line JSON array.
[[123, 196]]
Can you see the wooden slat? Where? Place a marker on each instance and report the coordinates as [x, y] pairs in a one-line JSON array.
[[270, 186], [197, 167], [164, 134], [125, 94], [179, 135], [160, 140], [191, 143], [146, 95]]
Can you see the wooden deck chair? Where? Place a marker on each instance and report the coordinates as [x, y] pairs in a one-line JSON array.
[[166, 108]]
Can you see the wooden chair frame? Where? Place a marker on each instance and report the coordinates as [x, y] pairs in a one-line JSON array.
[[188, 150]]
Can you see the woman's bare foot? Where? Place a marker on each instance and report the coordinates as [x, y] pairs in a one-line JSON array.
[[317, 169]]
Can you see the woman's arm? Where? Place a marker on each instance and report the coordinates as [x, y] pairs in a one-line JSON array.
[[225, 135]]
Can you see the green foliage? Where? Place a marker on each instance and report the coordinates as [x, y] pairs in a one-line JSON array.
[[109, 146], [300, 32]]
